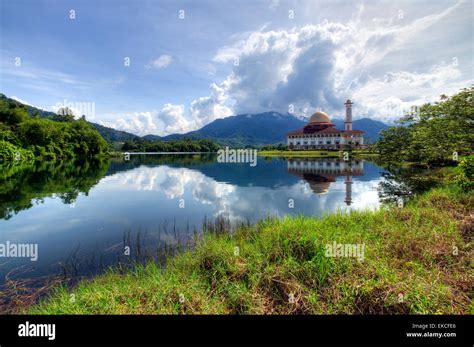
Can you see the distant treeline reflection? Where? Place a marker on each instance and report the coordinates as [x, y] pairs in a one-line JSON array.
[[24, 184], [21, 185]]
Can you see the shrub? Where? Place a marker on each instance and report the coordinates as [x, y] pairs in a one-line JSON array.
[[465, 177], [12, 153]]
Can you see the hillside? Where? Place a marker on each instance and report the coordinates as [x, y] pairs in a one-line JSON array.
[[113, 135], [246, 129], [29, 137], [109, 134]]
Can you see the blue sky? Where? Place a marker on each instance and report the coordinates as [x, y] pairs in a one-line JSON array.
[[230, 57]]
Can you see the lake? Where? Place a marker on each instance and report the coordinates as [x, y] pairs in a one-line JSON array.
[[88, 211]]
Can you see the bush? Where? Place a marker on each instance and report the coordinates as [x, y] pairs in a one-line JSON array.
[[465, 178], [12, 153]]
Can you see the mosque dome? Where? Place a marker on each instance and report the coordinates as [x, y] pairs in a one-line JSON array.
[[319, 117], [319, 187]]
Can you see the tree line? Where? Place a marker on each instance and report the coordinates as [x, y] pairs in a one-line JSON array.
[[185, 145]]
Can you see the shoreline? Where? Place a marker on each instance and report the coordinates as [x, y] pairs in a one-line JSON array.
[[278, 266], [317, 154]]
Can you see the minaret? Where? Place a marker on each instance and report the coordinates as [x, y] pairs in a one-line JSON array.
[[348, 183], [348, 121]]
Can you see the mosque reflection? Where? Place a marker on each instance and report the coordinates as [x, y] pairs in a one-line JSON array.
[[320, 173]]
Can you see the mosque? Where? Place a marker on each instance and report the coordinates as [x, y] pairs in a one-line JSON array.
[[320, 133]]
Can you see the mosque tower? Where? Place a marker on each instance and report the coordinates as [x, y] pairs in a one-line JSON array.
[[348, 183], [348, 121]]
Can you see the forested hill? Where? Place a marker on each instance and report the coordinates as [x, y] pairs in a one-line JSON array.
[[42, 136], [113, 135], [109, 134]]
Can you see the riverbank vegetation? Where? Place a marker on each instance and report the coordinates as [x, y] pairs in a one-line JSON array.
[[185, 145], [25, 138], [357, 153], [293, 153], [415, 260]]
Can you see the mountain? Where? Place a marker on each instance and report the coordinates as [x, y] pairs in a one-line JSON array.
[[152, 137], [265, 128], [113, 135], [246, 129]]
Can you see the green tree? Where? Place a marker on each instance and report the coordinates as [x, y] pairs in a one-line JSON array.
[[433, 134], [64, 114]]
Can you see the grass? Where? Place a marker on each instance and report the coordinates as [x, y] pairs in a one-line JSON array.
[[278, 266], [295, 153], [316, 154]]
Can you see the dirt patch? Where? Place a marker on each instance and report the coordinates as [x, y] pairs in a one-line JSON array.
[[375, 302]]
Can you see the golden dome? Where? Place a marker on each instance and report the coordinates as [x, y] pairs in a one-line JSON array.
[[319, 117], [319, 187]]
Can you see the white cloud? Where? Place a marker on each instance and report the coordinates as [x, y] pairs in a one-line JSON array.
[[20, 100], [161, 62], [206, 109], [168, 120], [173, 119], [273, 4], [392, 95], [141, 123], [320, 66]]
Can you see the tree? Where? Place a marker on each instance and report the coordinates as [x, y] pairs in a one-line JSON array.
[[434, 133], [65, 114]]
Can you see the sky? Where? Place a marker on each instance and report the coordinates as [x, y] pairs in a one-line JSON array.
[[164, 66]]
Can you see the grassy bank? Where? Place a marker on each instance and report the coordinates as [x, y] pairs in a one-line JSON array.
[[316, 154], [416, 260]]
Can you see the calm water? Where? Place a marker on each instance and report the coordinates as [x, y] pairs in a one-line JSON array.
[[84, 211]]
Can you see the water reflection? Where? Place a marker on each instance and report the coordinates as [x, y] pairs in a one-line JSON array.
[[321, 173], [92, 205], [23, 185], [401, 183]]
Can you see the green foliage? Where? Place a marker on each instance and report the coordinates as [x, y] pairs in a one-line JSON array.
[[465, 178], [12, 113], [434, 133], [186, 145], [277, 147], [10, 152], [47, 139]]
